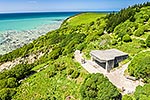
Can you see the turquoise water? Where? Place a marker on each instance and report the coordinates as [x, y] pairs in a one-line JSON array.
[[27, 21], [26, 24]]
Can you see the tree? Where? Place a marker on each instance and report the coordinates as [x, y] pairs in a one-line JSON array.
[[127, 38]]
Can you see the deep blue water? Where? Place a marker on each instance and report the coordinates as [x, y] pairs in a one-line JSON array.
[[10, 16]]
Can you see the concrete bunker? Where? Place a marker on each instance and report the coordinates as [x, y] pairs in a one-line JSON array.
[[108, 59]]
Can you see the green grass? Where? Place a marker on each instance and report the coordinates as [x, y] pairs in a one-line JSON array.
[[84, 18]]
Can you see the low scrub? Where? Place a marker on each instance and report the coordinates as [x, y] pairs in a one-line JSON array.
[[98, 87], [140, 66]]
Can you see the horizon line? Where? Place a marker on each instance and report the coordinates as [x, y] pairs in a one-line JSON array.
[[60, 11]]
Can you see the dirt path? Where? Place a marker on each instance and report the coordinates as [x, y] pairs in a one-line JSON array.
[[116, 76]]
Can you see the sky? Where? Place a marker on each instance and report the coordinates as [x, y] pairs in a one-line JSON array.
[[64, 5]]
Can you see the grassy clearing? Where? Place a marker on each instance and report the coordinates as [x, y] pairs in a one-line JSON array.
[[84, 18]]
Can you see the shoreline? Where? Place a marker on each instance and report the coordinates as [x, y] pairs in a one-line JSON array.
[[13, 39]]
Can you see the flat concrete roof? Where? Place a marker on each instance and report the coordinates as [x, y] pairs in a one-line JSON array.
[[107, 54]]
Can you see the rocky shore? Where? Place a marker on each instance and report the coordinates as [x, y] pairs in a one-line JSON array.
[[11, 40]]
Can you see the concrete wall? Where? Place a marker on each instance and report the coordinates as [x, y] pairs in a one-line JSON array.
[[103, 64], [109, 65], [119, 59]]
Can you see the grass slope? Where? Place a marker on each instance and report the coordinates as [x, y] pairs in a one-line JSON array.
[[84, 18]]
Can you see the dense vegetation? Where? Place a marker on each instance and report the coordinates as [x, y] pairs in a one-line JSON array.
[[142, 93], [114, 19], [98, 87], [9, 80], [140, 66], [61, 77]]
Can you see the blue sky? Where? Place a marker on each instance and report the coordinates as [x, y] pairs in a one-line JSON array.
[[64, 5]]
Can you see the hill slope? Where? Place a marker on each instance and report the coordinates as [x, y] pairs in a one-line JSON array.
[[56, 75]]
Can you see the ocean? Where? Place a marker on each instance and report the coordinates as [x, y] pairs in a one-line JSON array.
[[26, 21]]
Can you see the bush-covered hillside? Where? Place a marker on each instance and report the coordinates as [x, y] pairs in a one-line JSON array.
[[140, 66], [56, 75], [98, 87]]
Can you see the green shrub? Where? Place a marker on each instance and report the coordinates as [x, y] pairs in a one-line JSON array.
[[75, 74], [22, 70], [81, 46], [146, 17], [3, 83], [6, 93], [139, 32], [142, 93], [148, 41], [59, 66], [98, 87], [141, 41], [114, 42], [55, 53], [70, 71], [51, 73], [12, 83], [127, 38], [91, 23], [8, 83]]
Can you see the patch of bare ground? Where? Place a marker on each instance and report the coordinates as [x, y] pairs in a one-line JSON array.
[[27, 59]]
